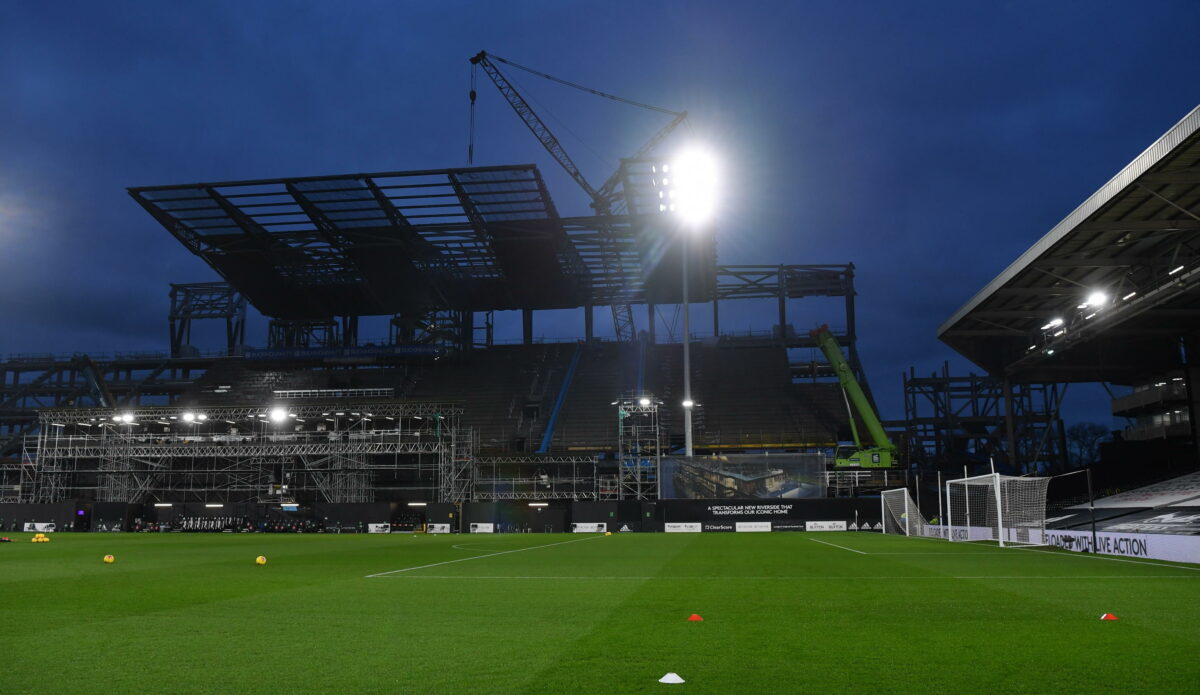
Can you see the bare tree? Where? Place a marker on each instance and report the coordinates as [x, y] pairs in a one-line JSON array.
[[1083, 442]]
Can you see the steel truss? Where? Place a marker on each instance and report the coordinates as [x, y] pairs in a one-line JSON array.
[[961, 420], [315, 451], [639, 446], [536, 478], [206, 300]]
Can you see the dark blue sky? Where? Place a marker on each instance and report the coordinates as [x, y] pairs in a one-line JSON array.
[[929, 143]]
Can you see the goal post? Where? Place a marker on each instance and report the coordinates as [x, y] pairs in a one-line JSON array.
[[901, 515], [1009, 510]]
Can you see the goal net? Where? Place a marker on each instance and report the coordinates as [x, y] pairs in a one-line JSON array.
[[901, 515], [1001, 508]]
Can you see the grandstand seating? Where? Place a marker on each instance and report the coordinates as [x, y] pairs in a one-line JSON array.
[[746, 393]]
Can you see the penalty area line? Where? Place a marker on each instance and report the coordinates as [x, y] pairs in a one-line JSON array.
[[478, 557], [835, 545]]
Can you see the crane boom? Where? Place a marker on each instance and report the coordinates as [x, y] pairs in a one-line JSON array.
[[534, 122], [883, 451], [602, 200]]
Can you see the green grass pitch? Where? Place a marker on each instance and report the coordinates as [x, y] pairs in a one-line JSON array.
[[783, 613]]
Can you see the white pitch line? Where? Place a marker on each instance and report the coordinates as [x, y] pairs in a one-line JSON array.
[[814, 540], [1114, 559], [1024, 577], [478, 557]]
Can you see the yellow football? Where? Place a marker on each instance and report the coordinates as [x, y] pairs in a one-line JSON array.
[[109, 559], [260, 560], [608, 533]]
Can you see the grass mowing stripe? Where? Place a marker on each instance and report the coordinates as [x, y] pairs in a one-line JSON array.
[[477, 557]]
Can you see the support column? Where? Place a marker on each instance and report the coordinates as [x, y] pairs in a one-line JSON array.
[[650, 316], [527, 326], [1010, 426], [781, 298], [716, 319], [1191, 373], [587, 322]]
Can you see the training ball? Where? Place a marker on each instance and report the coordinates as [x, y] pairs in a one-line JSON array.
[[260, 560], [109, 559], [608, 533], [35, 539]]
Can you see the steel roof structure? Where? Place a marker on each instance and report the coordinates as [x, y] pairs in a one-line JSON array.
[[1136, 240], [474, 239]]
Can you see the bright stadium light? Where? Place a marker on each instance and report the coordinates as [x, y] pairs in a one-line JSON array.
[[127, 418], [201, 417], [539, 504], [689, 403], [643, 402], [416, 504], [1095, 300], [1054, 323], [188, 417], [692, 187], [214, 505], [278, 415]]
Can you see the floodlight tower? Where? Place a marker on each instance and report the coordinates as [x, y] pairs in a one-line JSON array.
[[687, 191]]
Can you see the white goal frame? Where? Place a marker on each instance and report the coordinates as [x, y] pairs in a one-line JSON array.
[[1009, 510], [901, 515]]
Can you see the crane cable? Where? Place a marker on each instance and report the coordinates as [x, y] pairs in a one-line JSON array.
[[606, 95], [597, 92], [471, 135]]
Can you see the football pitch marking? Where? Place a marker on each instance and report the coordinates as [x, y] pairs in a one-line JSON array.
[[478, 557], [811, 577], [835, 545]]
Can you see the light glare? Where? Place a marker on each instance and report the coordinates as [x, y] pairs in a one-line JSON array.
[[695, 189]]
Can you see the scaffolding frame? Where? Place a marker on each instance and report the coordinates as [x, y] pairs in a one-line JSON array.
[[329, 452], [639, 447]]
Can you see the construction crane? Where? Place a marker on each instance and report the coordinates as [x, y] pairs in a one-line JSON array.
[[604, 200], [881, 452]]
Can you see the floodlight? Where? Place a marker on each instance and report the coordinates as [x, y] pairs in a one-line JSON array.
[[1053, 323], [188, 417], [695, 185], [116, 418], [539, 504], [688, 403], [1176, 270], [278, 415], [212, 505], [643, 402], [162, 504], [416, 504], [1128, 296], [127, 418], [201, 417], [1096, 299]]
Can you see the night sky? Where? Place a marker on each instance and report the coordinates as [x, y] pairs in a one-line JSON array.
[[929, 143]]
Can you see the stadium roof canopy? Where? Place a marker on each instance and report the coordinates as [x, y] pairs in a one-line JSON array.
[[477, 239], [1137, 241]]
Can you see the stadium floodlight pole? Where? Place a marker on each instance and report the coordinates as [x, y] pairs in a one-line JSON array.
[[687, 358], [693, 198]]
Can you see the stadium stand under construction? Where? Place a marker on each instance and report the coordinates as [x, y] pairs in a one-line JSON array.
[[318, 415]]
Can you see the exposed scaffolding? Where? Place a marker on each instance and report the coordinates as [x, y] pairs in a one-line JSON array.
[[536, 478], [639, 441], [340, 452]]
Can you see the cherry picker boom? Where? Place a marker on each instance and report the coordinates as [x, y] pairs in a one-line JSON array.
[[882, 452]]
